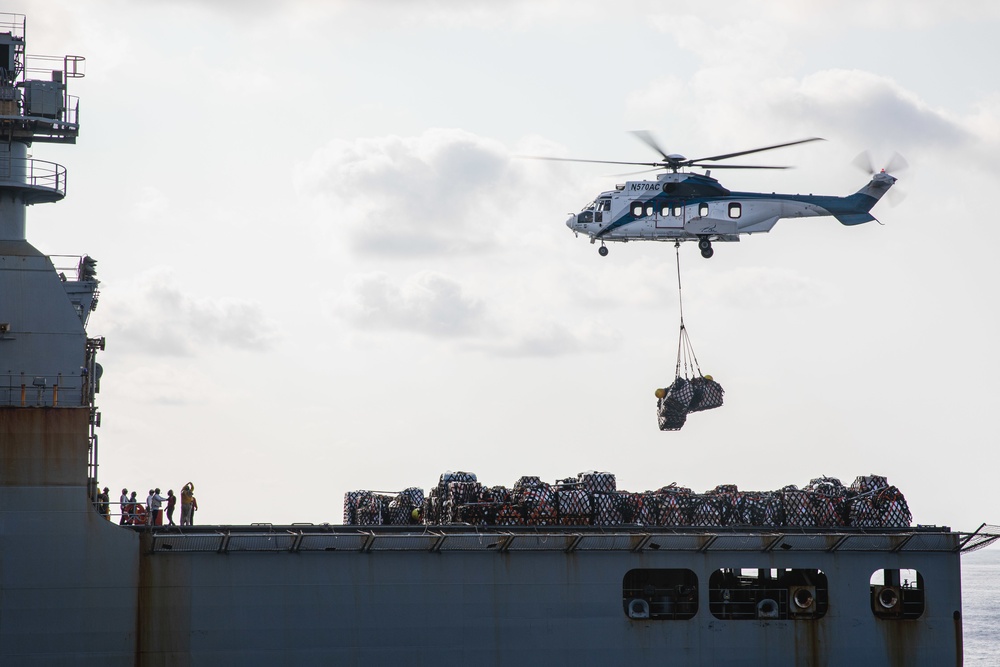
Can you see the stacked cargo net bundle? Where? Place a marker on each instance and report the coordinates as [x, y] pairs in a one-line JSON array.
[[453, 490], [374, 508], [593, 499], [873, 502]]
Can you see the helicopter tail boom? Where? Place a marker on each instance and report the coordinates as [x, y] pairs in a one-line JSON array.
[[862, 201]]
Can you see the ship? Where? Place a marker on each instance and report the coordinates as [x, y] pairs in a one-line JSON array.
[[76, 588]]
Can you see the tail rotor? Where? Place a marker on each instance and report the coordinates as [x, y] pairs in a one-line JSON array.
[[896, 164]]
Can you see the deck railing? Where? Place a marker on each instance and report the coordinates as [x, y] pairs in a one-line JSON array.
[[23, 390], [33, 173]]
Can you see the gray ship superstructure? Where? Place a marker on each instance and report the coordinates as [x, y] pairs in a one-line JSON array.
[[78, 589]]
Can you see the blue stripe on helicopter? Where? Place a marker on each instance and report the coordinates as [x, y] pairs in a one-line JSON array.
[[850, 210]]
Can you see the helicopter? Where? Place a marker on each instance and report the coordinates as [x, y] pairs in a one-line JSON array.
[[686, 206]]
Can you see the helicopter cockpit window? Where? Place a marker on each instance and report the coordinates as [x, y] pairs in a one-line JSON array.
[[735, 210], [589, 207], [604, 205]]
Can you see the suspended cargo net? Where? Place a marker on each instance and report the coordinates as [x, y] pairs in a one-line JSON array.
[[691, 390]]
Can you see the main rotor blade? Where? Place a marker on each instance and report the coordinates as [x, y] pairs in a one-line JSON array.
[[733, 166], [635, 173], [646, 137], [571, 159], [755, 150]]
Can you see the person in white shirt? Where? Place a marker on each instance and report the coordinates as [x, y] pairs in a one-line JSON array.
[[123, 503], [155, 503]]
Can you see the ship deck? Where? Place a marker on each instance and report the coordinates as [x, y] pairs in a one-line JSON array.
[[507, 539]]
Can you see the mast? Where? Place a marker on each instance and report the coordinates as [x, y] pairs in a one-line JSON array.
[[46, 358]]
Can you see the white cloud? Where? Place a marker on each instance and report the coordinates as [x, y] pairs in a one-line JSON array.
[[428, 303], [854, 108], [513, 323], [755, 288], [435, 193], [154, 316], [554, 339], [873, 109], [445, 192]]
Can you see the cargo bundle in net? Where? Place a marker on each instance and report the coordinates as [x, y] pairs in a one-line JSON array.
[[691, 390], [592, 498]]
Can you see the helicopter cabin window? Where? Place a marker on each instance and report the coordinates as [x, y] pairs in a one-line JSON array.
[[637, 208], [897, 594], [703, 210], [767, 594], [649, 209], [735, 210], [660, 594], [677, 211]]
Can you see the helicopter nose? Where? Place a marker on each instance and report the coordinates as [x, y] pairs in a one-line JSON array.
[[570, 221]]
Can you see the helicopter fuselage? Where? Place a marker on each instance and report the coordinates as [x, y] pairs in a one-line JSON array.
[[680, 206]]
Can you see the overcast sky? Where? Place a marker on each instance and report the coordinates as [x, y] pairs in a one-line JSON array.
[[323, 269]]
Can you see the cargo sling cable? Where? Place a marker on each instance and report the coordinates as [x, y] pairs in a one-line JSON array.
[[684, 396], [684, 347]]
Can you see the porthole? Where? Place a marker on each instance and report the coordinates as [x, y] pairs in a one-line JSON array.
[[703, 210], [637, 208], [735, 210]]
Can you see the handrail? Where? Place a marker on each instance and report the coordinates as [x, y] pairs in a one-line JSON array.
[[35, 173], [23, 390], [14, 25]]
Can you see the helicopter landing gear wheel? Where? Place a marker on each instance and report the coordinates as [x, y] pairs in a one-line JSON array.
[[602, 251], [706, 247]]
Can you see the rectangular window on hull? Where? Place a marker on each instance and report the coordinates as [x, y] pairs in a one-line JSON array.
[[735, 210], [703, 210], [774, 594], [897, 594], [660, 594]]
